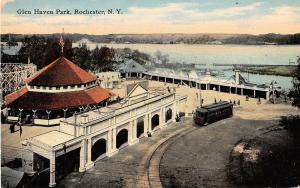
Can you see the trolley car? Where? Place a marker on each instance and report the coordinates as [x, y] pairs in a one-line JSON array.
[[213, 112]]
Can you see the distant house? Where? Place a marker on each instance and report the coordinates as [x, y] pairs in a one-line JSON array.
[[11, 50], [214, 42], [84, 40], [131, 68]]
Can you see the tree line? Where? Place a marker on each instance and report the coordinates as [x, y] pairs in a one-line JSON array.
[[42, 51], [174, 38]]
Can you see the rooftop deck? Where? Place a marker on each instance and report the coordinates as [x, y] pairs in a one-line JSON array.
[[53, 138], [120, 107]]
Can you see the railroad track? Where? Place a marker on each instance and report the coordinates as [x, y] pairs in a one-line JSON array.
[[149, 168]]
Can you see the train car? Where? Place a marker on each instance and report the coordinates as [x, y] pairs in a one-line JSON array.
[[213, 112]]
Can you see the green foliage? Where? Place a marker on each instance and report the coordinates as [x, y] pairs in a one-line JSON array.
[[11, 58], [43, 51], [140, 57], [295, 91], [291, 124], [53, 50], [82, 56], [175, 38], [104, 59], [127, 53], [33, 48], [95, 60]]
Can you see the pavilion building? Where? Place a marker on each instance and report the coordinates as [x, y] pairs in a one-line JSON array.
[[236, 84], [131, 69], [87, 137], [56, 92]]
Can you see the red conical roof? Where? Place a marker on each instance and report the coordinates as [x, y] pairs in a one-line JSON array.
[[29, 100], [60, 72]]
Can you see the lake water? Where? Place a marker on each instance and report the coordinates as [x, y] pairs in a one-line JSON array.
[[224, 54]]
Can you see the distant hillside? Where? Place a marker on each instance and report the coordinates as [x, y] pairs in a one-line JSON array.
[[270, 38], [201, 38]]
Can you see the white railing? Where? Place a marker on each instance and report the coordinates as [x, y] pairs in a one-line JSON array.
[[106, 114], [125, 109], [46, 121], [12, 118]]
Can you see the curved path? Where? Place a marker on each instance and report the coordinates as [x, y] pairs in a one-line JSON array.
[[149, 167]]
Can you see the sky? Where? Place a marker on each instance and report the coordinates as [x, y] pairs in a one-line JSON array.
[[153, 16]]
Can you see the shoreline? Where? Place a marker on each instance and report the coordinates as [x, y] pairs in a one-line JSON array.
[[268, 73]]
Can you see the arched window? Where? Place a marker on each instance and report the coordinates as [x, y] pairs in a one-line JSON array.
[[168, 114], [154, 121], [122, 138]]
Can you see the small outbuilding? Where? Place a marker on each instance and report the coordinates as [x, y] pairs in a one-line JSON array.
[[131, 68]]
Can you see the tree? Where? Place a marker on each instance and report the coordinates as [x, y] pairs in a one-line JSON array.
[[295, 91], [158, 54], [105, 59], [43, 51], [82, 56], [106, 55], [127, 52], [140, 57], [53, 50], [164, 59], [33, 47]]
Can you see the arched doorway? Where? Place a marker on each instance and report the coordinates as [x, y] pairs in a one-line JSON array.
[[168, 114], [154, 121], [67, 163], [122, 138], [98, 149], [140, 127]]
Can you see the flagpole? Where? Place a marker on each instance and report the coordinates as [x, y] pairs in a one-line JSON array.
[[62, 43]]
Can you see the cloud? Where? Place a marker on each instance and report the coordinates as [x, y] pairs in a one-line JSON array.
[[283, 19], [165, 9], [169, 18], [187, 10], [233, 11]]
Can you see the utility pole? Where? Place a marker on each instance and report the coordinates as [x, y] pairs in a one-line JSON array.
[[273, 90], [200, 95]]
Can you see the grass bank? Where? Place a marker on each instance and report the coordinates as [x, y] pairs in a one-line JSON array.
[[268, 159], [271, 70]]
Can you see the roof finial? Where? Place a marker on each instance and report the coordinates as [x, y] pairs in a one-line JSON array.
[[62, 42]]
